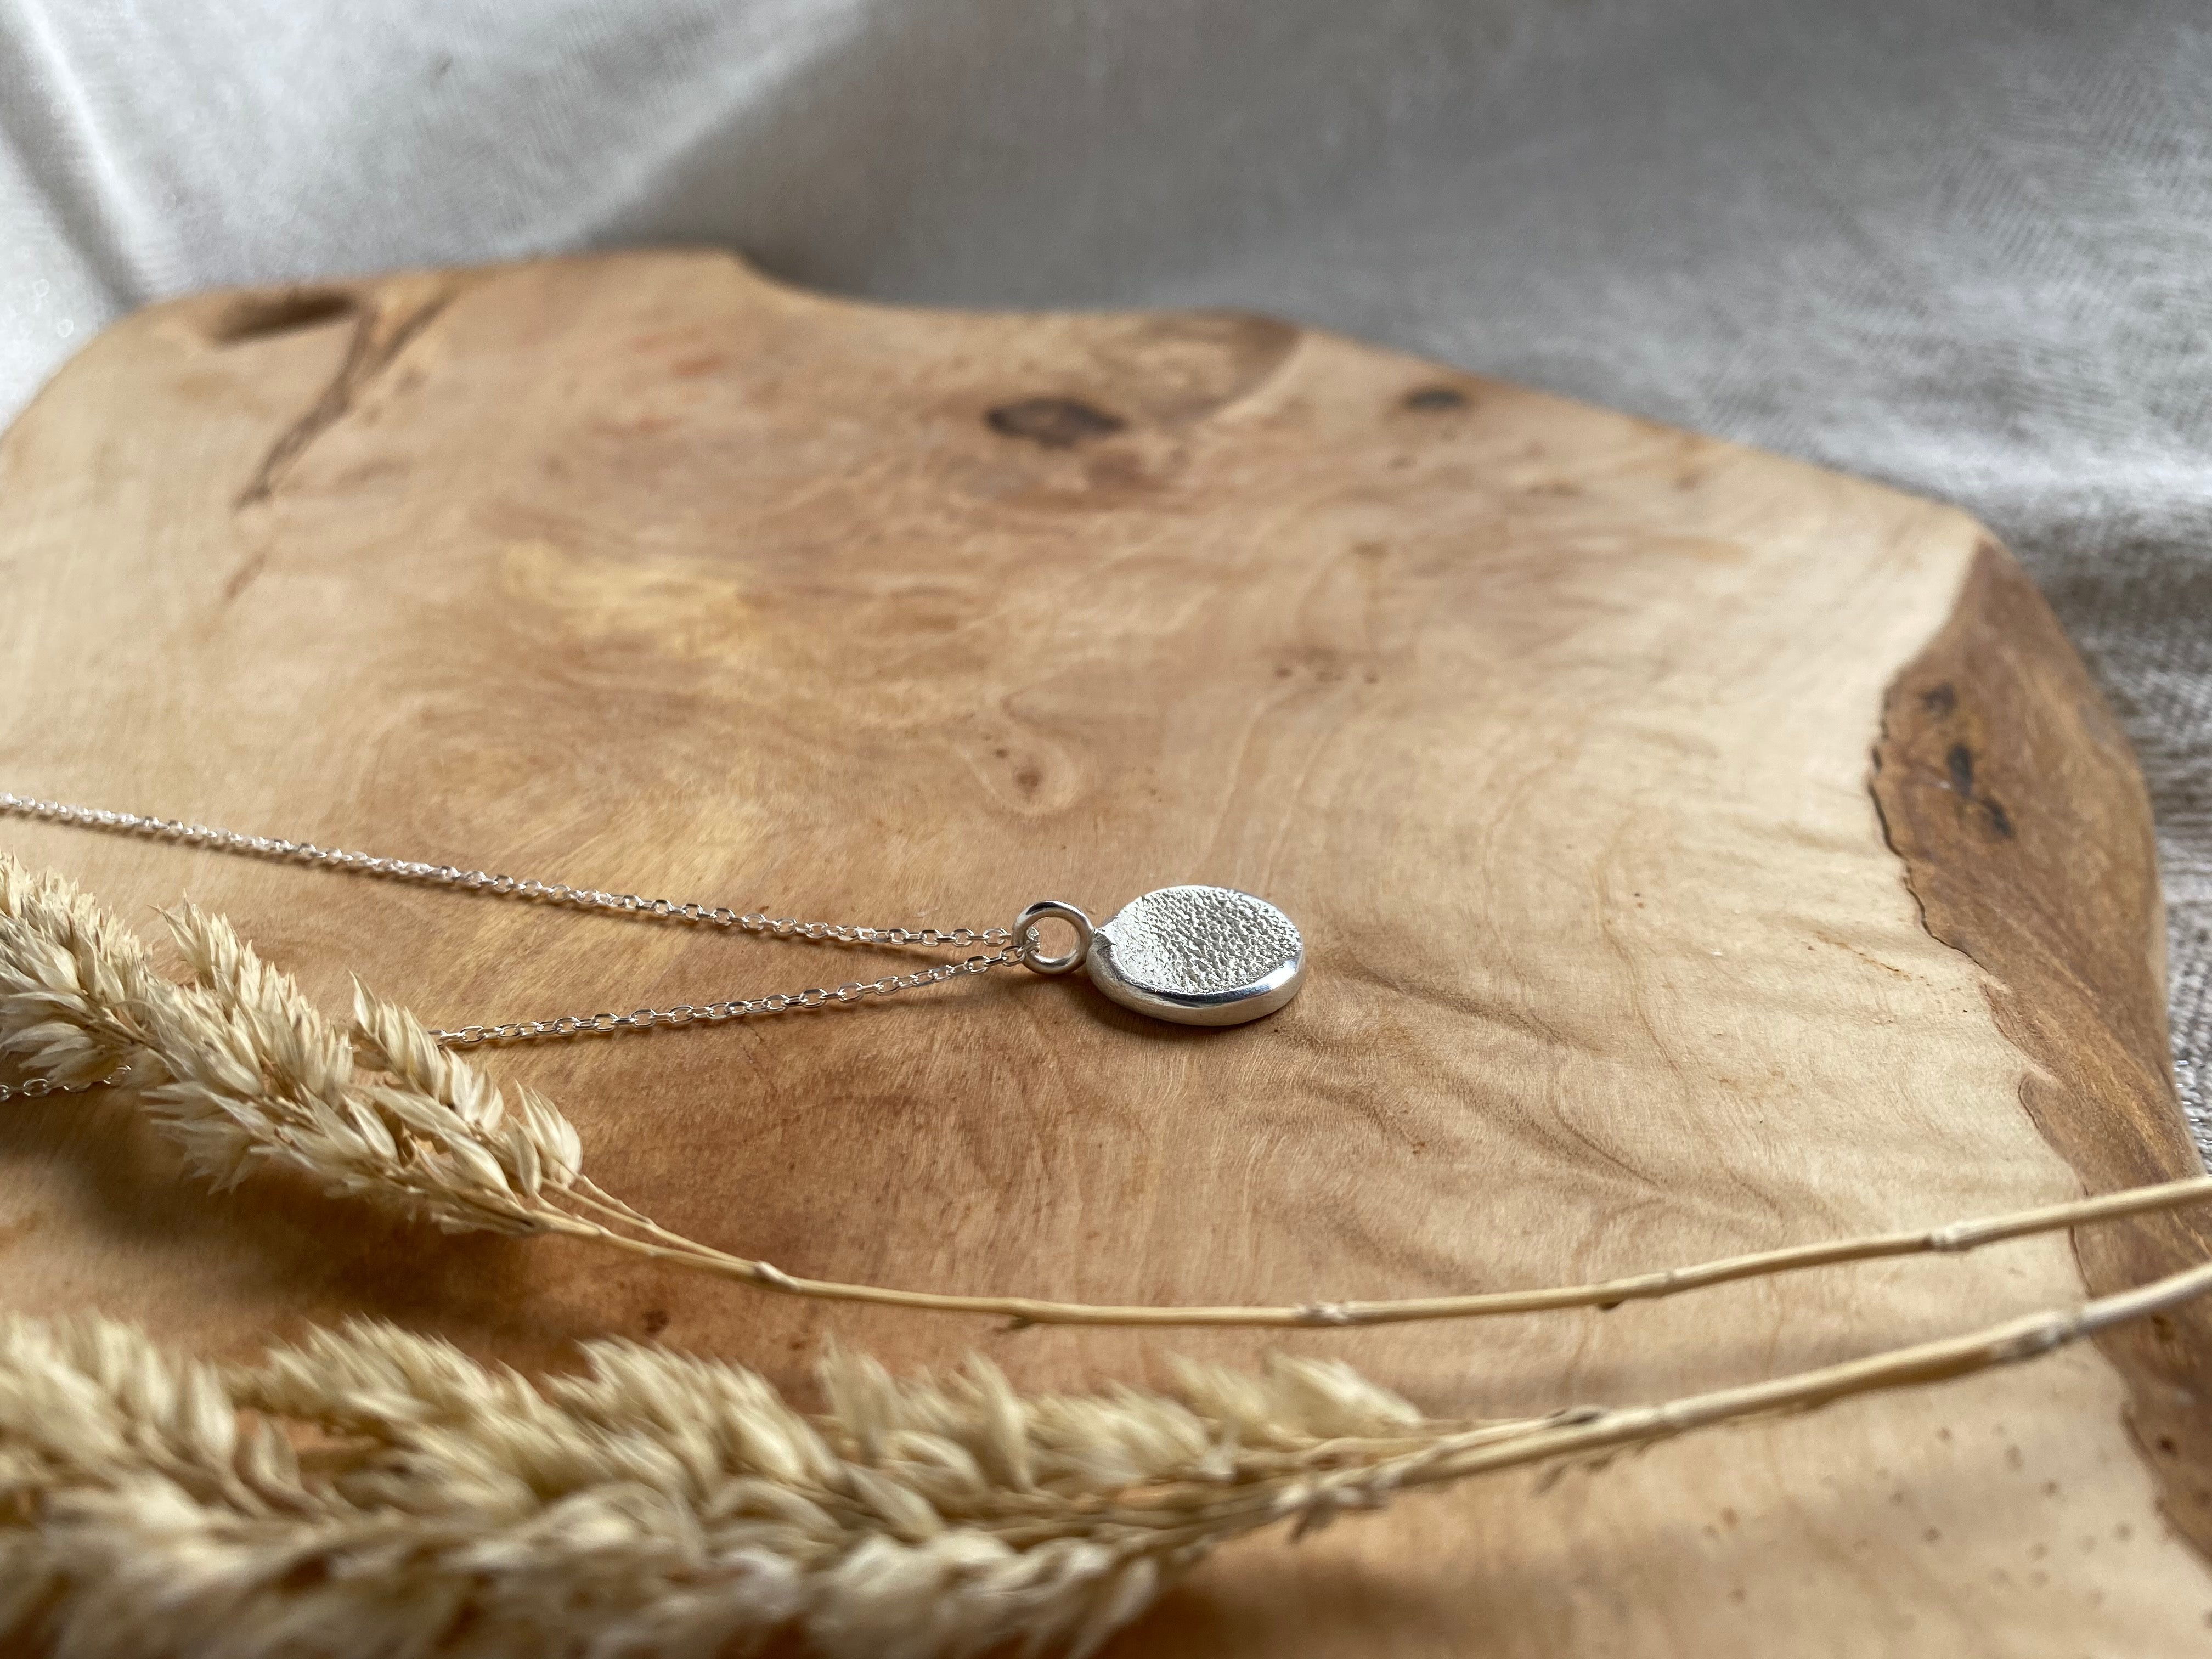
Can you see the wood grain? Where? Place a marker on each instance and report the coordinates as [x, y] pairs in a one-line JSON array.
[[1550, 727]]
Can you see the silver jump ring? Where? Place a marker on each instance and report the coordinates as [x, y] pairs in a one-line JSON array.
[[1025, 937]]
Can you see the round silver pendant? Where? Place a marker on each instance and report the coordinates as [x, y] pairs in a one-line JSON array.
[[1199, 956]]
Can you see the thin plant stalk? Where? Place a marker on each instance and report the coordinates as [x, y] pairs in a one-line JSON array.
[[931, 1520], [1955, 1237], [243, 1071]]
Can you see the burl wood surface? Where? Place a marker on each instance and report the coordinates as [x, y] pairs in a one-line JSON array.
[[1697, 852]]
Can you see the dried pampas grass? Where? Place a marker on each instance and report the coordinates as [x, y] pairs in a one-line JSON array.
[[654, 1504], [373, 1492]]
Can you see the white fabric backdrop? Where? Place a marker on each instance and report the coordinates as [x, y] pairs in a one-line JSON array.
[[1964, 246]]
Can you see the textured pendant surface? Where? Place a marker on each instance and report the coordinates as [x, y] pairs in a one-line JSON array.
[[1199, 956]]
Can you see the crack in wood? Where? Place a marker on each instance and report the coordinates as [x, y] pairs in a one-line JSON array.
[[386, 326]]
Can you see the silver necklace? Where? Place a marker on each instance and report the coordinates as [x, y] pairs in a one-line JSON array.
[[1195, 955]]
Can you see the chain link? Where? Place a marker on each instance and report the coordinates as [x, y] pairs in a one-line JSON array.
[[1002, 949], [485, 881], [38, 1087], [714, 1013]]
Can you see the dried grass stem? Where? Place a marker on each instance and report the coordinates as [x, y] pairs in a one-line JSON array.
[[240, 1070], [154, 1505]]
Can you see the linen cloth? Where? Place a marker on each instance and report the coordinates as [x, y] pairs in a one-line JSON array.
[[1961, 245]]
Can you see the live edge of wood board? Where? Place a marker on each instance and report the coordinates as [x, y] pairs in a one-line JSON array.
[[1696, 852]]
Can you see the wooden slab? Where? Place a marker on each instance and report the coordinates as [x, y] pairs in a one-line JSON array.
[[1556, 731]]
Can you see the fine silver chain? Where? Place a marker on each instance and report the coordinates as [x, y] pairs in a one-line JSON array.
[[38, 1087], [1001, 949]]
